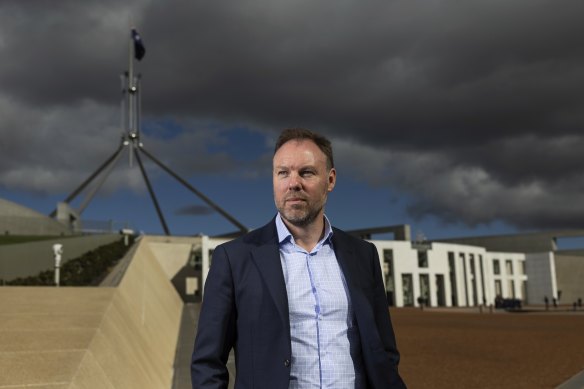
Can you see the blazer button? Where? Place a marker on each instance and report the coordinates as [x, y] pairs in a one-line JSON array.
[[286, 362]]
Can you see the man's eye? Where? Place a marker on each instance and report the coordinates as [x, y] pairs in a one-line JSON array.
[[307, 173], [282, 173]]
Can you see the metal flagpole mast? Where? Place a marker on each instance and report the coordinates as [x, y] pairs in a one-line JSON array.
[[225, 214], [131, 92], [134, 123], [89, 179], [132, 104]]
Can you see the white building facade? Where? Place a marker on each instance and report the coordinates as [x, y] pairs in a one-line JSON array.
[[449, 275], [436, 274]]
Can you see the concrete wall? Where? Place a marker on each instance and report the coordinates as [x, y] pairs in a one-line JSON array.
[[541, 273], [174, 259], [18, 220], [570, 277], [87, 337], [172, 256], [136, 341], [28, 259], [45, 333], [536, 242]]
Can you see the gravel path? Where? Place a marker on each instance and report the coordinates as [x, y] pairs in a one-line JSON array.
[[464, 349]]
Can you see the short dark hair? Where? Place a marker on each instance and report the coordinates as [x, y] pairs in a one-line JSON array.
[[301, 134]]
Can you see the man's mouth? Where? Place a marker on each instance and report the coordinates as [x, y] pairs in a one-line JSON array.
[[295, 200]]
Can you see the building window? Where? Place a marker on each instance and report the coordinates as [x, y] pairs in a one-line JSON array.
[[422, 258], [511, 288], [464, 273], [196, 260], [211, 256], [388, 262], [483, 280], [498, 289], [424, 298], [473, 279], [452, 276], [408, 290], [496, 267], [521, 267], [388, 274], [509, 266]]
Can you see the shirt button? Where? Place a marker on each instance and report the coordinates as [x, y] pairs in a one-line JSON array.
[[286, 362]]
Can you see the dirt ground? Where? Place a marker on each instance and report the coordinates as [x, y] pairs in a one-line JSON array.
[[462, 349]]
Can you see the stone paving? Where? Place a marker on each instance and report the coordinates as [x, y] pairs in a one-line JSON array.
[[463, 348], [503, 350]]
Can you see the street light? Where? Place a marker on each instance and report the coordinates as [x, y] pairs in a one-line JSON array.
[[57, 252]]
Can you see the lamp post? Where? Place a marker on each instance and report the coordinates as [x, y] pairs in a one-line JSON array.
[[57, 252]]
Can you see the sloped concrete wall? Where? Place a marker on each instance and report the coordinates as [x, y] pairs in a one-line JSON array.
[[135, 344], [87, 337], [172, 256], [45, 332]]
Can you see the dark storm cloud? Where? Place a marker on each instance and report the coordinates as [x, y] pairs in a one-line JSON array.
[[196, 210], [62, 52], [423, 73], [472, 109]]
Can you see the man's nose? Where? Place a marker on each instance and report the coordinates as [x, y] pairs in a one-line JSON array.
[[294, 182]]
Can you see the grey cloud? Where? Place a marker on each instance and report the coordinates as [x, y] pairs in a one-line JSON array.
[[63, 51], [194, 210], [473, 109], [457, 191]]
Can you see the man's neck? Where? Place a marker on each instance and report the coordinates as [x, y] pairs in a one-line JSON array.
[[307, 236]]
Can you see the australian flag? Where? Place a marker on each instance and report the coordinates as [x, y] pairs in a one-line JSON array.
[[139, 49]]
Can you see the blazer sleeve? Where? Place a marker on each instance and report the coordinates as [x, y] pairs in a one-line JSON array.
[[216, 330], [384, 326]]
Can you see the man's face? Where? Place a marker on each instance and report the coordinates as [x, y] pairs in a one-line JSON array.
[[301, 181]]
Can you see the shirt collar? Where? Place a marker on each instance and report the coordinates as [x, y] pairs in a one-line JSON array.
[[284, 234]]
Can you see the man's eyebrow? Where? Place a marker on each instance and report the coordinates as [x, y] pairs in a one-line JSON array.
[[302, 167]]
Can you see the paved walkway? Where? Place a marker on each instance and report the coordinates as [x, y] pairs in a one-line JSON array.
[[576, 382], [500, 333]]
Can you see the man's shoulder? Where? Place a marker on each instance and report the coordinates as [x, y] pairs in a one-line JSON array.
[[347, 239], [341, 234], [254, 238]]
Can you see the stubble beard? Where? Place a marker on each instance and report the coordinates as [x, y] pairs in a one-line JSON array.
[[301, 216]]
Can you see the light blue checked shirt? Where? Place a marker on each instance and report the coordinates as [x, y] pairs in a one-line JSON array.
[[326, 350]]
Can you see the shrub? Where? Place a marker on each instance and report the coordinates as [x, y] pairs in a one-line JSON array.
[[86, 270]]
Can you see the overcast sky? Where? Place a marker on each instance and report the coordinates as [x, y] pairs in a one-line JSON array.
[[448, 115]]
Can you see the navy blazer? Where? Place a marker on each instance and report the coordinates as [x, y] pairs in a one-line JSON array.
[[245, 306]]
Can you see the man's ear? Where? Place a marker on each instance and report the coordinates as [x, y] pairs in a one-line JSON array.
[[332, 179]]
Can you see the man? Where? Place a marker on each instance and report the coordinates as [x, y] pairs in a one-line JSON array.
[[301, 302]]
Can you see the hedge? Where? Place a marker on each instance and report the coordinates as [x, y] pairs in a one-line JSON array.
[[87, 270]]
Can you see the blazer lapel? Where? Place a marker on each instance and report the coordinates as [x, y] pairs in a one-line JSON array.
[[267, 259], [345, 257], [350, 266]]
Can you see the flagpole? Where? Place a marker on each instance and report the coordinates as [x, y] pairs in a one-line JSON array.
[[131, 100]]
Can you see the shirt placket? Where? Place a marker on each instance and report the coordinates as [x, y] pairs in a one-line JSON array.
[[313, 276]]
